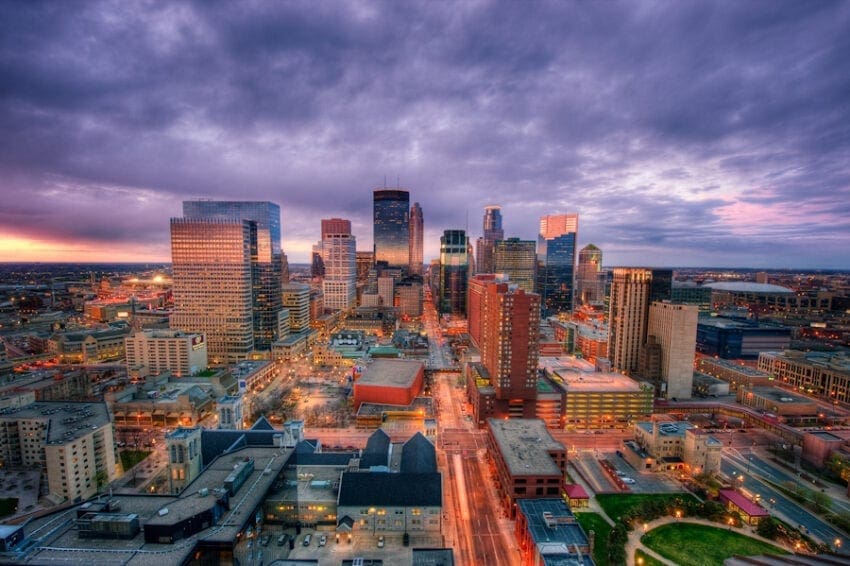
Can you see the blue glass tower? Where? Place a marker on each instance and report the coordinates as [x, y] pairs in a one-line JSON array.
[[392, 227], [556, 259]]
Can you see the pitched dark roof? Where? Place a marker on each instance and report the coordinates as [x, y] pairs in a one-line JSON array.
[[322, 458], [377, 451], [262, 424], [306, 446], [408, 490], [215, 442], [418, 455]]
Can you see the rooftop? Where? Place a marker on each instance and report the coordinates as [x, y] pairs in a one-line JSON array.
[[736, 323], [574, 382], [390, 373], [748, 287], [384, 489], [554, 530], [525, 445], [419, 404], [747, 506], [744, 369], [780, 396], [65, 421]]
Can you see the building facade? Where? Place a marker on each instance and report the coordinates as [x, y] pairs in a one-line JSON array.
[[516, 259], [824, 374], [417, 240], [454, 272], [296, 299], [590, 280], [493, 232], [266, 257], [180, 353], [391, 228], [339, 249], [556, 258], [211, 262], [674, 327]]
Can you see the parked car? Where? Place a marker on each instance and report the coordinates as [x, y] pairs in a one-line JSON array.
[[307, 539], [621, 474], [282, 539], [264, 540], [323, 540], [628, 480], [381, 541]]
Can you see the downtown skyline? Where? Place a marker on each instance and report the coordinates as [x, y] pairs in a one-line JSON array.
[[683, 135]]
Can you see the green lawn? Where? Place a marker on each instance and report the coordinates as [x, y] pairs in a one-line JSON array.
[[130, 458], [701, 545], [8, 505], [595, 522], [644, 559], [616, 504]]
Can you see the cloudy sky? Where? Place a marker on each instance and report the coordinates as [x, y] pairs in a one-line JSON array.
[[683, 133]]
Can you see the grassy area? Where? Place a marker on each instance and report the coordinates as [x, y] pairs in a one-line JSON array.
[[8, 505], [130, 458], [617, 505], [701, 545], [595, 522], [644, 559]]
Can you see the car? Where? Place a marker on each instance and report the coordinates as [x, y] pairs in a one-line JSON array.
[[307, 539], [628, 480], [381, 541], [621, 474], [282, 539], [264, 540], [323, 540]]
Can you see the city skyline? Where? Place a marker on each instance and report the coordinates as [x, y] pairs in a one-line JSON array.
[[687, 135]]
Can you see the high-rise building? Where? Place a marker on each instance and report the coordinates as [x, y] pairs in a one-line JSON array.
[[517, 260], [211, 263], [266, 257], [492, 232], [386, 290], [454, 272], [365, 263], [508, 329], [417, 239], [474, 302], [633, 289], [408, 294], [556, 257], [296, 299], [590, 282], [674, 327], [391, 214], [339, 257]]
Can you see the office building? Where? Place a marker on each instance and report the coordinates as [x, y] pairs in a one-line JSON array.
[[408, 295], [266, 257], [556, 257], [386, 290], [417, 239], [673, 446], [454, 272], [674, 327], [633, 289], [549, 533], [689, 293], [152, 352], [475, 297], [296, 299], [71, 443], [211, 262], [391, 215], [825, 374], [740, 338], [517, 260], [492, 233], [339, 249], [525, 469], [590, 280]]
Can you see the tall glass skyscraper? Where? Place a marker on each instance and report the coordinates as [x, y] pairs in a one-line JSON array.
[[266, 258], [590, 284], [492, 233], [556, 258], [454, 272], [211, 263], [391, 229], [517, 259], [417, 239]]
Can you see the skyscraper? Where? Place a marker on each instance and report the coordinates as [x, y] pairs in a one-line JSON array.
[[633, 289], [391, 229], [211, 263], [417, 238], [454, 271], [590, 285], [556, 257], [674, 327], [517, 259], [266, 258], [492, 232], [339, 257]]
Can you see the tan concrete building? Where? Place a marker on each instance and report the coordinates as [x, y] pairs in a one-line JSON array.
[[668, 446], [72, 443], [183, 446], [180, 353], [674, 326]]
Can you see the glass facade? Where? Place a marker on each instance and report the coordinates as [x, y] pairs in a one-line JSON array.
[[556, 259], [266, 258], [454, 272], [417, 236], [211, 262], [391, 229], [518, 260]]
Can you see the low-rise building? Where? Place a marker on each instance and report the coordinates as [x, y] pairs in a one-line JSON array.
[[736, 373], [548, 534], [529, 463], [824, 374], [88, 347], [780, 404], [389, 382], [667, 446], [174, 351], [739, 338]]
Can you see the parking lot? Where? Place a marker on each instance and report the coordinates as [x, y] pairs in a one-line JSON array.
[[602, 482]]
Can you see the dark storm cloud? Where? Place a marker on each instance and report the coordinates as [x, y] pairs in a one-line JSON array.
[[682, 133]]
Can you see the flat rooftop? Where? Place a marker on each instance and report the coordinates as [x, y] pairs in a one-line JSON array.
[[781, 396], [390, 373], [597, 382], [525, 446], [247, 367], [66, 421], [554, 529], [733, 324], [824, 435], [424, 404], [729, 364]]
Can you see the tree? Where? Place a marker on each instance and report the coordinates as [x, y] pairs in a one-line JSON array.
[[768, 528]]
